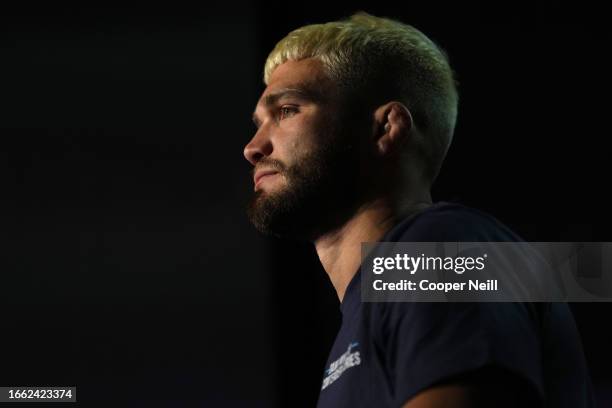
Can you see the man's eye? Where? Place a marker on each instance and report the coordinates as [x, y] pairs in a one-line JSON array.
[[286, 111]]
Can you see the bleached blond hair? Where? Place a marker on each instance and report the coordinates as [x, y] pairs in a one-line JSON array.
[[378, 60]]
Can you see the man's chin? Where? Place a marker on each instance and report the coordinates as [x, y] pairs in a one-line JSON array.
[[274, 213]]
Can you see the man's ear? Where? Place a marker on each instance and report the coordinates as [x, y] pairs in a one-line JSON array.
[[392, 127]]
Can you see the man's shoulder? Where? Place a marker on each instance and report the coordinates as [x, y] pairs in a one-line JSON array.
[[451, 222]]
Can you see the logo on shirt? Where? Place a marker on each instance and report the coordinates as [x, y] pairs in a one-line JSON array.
[[348, 359]]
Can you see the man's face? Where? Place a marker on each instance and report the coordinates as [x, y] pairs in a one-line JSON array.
[[305, 157]]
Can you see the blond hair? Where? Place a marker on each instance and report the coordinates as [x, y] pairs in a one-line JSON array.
[[383, 59]]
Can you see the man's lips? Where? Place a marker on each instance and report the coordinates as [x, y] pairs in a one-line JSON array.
[[259, 175]]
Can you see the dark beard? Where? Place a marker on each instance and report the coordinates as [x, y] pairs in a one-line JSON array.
[[320, 194]]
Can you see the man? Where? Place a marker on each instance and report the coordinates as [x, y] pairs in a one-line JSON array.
[[352, 129]]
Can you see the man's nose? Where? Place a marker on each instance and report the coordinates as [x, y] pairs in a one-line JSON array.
[[258, 147]]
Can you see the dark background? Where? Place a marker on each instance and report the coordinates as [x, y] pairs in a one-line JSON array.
[[128, 266]]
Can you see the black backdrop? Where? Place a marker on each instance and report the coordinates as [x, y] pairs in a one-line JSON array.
[[128, 266]]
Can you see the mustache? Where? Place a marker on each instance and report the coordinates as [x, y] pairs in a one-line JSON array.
[[269, 164]]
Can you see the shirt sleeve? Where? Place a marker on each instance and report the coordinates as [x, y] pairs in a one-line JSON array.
[[427, 343]]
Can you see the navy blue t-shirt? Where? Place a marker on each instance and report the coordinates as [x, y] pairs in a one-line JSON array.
[[387, 352]]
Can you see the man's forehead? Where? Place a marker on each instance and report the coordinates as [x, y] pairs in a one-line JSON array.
[[308, 68], [306, 76]]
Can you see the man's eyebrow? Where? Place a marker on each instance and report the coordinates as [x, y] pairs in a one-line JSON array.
[[300, 93], [273, 97]]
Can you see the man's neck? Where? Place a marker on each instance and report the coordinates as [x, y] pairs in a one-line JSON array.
[[340, 250]]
